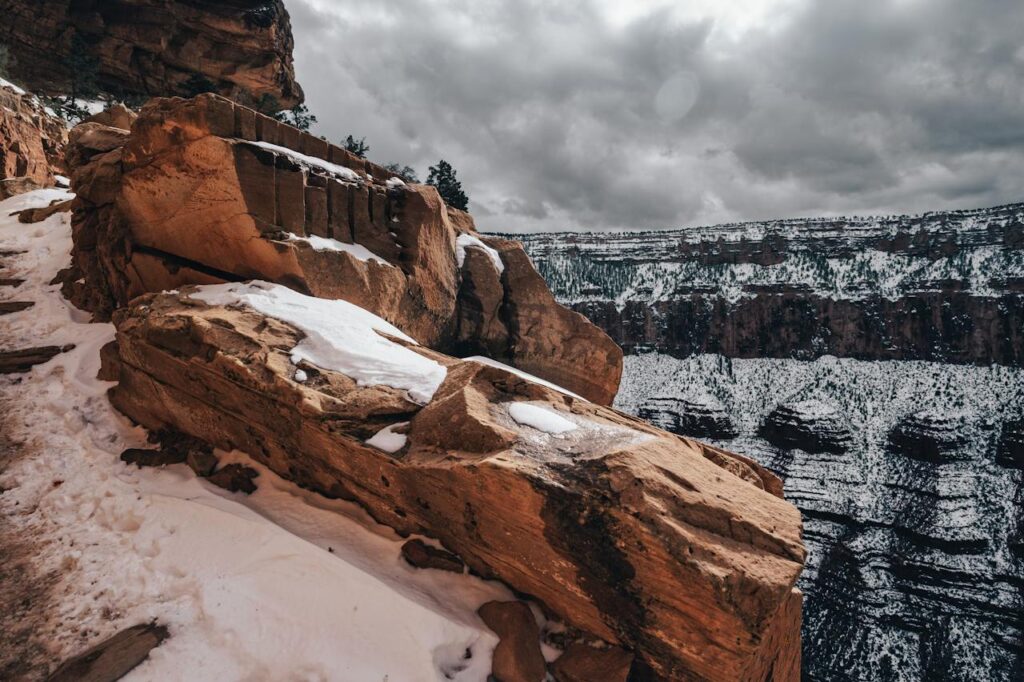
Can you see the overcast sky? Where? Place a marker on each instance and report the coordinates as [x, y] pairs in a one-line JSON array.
[[612, 114]]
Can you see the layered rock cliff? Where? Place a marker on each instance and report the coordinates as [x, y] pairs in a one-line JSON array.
[[241, 49], [313, 315], [947, 287]]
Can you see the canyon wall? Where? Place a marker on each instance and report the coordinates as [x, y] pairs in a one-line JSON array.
[[947, 287]]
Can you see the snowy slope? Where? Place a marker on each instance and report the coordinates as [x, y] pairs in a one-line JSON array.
[[280, 585]]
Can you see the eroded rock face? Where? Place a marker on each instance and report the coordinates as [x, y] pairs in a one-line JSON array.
[[810, 425], [932, 436], [31, 143], [630, 534], [241, 48], [206, 191], [698, 418]]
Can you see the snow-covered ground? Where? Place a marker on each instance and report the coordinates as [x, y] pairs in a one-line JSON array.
[[279, 585]]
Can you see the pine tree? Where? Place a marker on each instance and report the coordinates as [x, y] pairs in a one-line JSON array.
[[82, 68], [297, 116], [442, 176], [407, 173], [357, 147]]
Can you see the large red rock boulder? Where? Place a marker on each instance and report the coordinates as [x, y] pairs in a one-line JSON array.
[[205, 190], [241, 48], [627, 533]]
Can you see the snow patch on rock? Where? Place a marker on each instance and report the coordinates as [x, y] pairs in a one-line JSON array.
[[468, 241], [540, 418], [326, 244], [339, 336]]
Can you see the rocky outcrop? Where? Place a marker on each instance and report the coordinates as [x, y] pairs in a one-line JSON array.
[[31, 143], [933, 436], [701, 417], [810, 425], [939, 326], [626, 533], [205, 191], [241, 49]]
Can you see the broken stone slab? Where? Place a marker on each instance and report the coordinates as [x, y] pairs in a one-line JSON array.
[[20, 361], [421, 555], [202, 462], [584, 663], [141, 457], [518, 657], [632, 535], [113, 658], [235, 478], [8, 307], [37, 215]]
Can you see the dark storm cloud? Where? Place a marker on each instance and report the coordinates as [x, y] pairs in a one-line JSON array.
[[557, 118]]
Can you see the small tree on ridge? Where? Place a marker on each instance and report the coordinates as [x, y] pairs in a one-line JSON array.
[[442, 176]]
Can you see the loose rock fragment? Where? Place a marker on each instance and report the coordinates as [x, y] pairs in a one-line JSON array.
[[422, 555], [518, 657]]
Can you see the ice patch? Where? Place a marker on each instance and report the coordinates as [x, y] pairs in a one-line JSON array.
[[326, 244], [540, 418], [339, 336], [392, 183]]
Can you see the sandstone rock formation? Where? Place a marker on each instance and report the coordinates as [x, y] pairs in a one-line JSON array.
[[205, 191], [31, 143], [241, 48], [643, 539], [582, 663]]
